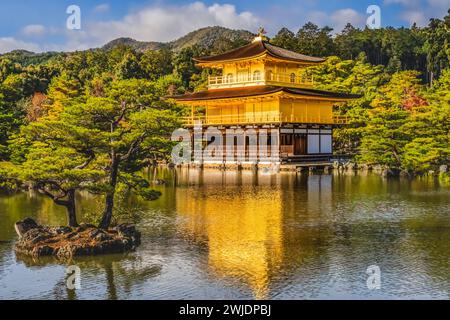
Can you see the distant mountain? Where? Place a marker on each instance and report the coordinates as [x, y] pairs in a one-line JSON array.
[[206, 37], [27, 58], [136, 45], [209, 37]]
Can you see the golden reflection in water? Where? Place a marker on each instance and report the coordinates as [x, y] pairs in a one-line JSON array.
[[242, 228]]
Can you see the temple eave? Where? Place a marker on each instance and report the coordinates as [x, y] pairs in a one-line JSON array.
[[261, 92]]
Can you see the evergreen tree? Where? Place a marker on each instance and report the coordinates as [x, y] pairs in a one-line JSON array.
[[437, 46], [285, 38], [385, 137], [315, 41], [429, 128]]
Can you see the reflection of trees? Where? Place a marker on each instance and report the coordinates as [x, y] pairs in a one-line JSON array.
[[399, 224], [121, 273], [5, 248], [16, 207], [434, 242], [267, 232], [429, 230]]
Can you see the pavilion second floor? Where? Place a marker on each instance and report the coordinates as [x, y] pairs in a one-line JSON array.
[[262, 105], [264, 112]]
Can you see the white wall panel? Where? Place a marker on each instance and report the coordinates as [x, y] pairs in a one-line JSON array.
[[326, 144], [313, 143]]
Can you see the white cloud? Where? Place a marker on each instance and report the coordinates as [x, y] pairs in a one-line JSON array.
[[414, 16], [156, 23], [102, 8], [416, 11], [337, 19], [9, 44], [406, 3], [444, 4], [319, 17], [165, 23], [151, 23], [162, 22], [34, 30], [340, 18]]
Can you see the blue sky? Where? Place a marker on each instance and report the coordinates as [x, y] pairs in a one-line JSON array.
[[39, 25]]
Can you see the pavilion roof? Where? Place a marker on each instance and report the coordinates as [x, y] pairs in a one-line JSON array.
[[259, 91], [258, 48]]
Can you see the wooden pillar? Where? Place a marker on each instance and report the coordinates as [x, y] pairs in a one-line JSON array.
[[306, 110]]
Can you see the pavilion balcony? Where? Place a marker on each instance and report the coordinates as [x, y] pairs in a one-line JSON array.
[[261, 119], [255, 79]]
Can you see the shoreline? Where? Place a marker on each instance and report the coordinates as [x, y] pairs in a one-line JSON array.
[[335, 167]]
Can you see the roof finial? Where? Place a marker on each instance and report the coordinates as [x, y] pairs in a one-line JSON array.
[[261, 35]]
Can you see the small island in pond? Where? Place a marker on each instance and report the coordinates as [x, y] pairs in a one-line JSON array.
[[66, 242]]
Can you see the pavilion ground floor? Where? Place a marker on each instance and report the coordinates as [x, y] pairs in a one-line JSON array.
[[262, 144]]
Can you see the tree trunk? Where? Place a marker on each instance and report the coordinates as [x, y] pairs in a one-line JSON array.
[[109, 201], [68, 203], [107, 214], [71, 209]]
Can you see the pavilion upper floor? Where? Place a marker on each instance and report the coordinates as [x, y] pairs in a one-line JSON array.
[[260, 73], [259, 64]]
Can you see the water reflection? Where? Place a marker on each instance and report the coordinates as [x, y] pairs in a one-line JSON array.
[[115, 273], [243, 232], [226, 234], [245, 221]]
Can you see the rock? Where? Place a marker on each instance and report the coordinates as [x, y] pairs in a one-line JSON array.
[[63, 230], [72, 236], [379, 168], [350, 166], [159, 182], [102, 237], [40, 238], [128, 231], [94, 233], [43, 251], [65, 242], [85, 226], [404, 174], [31, 234], [387, 173], [336, 165], [24, 226], [443, 169]]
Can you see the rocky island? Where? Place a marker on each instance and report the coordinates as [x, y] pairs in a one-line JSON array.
[[66, 242]]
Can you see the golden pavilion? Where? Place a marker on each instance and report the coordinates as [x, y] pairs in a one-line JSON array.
[[264, 87]]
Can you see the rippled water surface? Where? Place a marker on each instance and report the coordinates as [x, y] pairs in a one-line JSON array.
[[231, 235]]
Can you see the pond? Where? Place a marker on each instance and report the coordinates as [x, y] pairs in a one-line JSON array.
[[245, 235]]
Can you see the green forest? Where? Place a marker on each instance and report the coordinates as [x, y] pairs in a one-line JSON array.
[[93, 119]]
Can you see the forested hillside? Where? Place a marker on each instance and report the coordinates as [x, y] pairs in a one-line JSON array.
[[402, 120]]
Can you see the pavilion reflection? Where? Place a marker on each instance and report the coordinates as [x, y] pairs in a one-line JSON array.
[[247, 230]]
